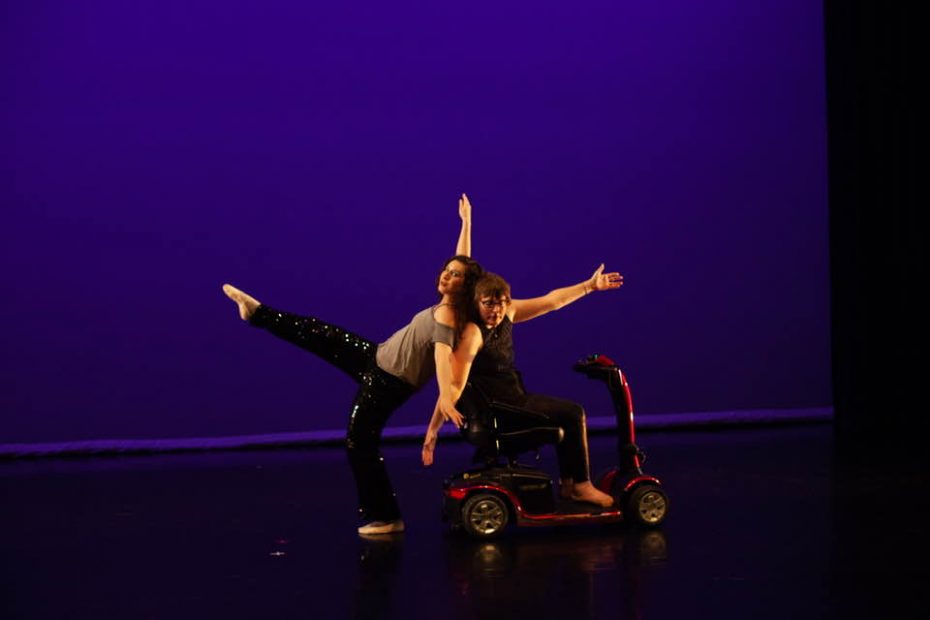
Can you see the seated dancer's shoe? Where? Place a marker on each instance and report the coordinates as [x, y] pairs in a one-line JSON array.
[[382, 527], [247, 304]]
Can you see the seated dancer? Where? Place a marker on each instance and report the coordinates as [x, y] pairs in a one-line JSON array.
[[485, 358], [387, 373]]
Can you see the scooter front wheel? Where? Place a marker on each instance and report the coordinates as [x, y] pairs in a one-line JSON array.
[[484, 515], [647, 505]]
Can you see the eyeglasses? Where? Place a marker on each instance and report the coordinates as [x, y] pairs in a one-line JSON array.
[[494, 303]]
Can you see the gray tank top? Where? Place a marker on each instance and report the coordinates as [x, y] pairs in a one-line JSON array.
[[408, 353]]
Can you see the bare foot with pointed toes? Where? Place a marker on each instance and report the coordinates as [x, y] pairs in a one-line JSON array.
[[247, 304]]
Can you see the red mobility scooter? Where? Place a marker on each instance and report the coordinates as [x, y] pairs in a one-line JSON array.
[[484, 500]]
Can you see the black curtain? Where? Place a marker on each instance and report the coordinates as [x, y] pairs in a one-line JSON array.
[[879, 543], [877, 243]]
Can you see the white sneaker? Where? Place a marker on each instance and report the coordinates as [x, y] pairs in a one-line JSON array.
[[382, 527]]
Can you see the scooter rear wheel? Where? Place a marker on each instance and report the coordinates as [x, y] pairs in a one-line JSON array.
[[484, 515]]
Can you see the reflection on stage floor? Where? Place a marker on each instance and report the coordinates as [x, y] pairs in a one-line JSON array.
[[763, 523]]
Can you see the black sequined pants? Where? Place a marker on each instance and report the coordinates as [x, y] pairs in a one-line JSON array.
[[379, 394]]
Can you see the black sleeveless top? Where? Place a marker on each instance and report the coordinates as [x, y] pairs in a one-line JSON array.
[[492, 370]]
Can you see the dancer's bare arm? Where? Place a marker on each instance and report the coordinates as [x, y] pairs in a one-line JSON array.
[[525, 309], [446, 402], [461, 361], [451, 378], [432, 434]]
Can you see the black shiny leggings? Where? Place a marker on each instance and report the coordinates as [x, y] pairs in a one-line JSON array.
[[379, 394]]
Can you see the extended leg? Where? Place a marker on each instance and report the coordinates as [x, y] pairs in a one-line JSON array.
[[247, 304], [347, 351], [341, 348]]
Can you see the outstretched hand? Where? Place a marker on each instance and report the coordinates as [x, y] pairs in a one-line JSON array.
[[464, 208], [601, 281]]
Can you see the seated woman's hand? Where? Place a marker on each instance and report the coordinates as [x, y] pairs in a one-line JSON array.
[[600, 281]]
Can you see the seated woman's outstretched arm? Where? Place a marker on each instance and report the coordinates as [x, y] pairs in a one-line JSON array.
[[526, 309]]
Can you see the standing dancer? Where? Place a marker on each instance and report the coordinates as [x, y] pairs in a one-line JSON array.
[[387, 373]]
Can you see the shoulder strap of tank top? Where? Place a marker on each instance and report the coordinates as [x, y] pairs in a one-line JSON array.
[[433, 315]]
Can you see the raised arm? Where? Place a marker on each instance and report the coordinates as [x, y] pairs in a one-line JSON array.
[[526, 309], [463, 247]]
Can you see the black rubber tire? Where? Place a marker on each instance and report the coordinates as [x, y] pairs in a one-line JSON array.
[[484, 515]]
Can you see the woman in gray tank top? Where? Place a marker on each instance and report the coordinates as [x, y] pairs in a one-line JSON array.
[[387, 373]]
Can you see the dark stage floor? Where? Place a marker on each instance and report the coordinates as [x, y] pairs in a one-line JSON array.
[[764, 523]]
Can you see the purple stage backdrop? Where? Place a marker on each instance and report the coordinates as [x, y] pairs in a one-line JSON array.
[[311, 153]]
